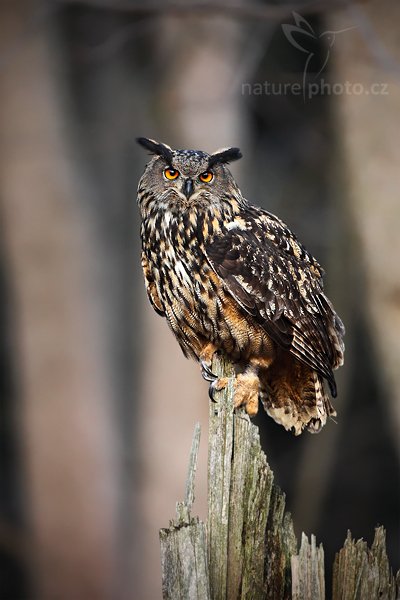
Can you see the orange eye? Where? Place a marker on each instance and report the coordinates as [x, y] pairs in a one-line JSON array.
[[206, 177], [171, 173]]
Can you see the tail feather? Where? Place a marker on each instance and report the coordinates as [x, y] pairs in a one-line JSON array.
[[323, 406], [294, 396]]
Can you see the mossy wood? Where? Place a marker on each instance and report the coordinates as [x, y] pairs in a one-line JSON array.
[[248, 549]]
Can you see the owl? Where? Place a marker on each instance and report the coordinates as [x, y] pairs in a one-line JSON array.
[[230, 277]]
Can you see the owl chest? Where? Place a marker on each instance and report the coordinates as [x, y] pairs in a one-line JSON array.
[[182, 275], [192, 294], [184, 280], [196, 303]]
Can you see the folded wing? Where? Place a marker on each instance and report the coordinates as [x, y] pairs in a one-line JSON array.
[[274, 279]]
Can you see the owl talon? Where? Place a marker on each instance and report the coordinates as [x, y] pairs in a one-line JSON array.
[[211, 392], [206, 372], [216, 386]]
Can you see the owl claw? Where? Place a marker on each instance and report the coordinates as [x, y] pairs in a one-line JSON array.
[[211, 392], [206, 372], [217, 385]]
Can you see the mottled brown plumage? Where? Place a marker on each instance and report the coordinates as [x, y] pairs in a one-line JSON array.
[[231, 277]]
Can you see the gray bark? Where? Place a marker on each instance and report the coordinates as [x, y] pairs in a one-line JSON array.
[[308, 574], [184, 560], [362, 572]]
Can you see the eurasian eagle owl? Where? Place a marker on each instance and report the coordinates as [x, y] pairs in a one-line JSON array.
[[231, 277]]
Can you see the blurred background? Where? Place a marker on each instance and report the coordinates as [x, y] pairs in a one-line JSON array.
[[98, 404]]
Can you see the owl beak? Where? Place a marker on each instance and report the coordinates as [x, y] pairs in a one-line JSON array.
[[188, 188]]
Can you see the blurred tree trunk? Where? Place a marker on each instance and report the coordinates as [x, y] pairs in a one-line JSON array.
[[369, 129], [68, 440], [105, 91]]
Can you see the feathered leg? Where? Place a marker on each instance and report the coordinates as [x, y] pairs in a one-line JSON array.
[[247, 385]]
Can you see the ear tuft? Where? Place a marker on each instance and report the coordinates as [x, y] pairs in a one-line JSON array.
[[226, 155], [156, 148]]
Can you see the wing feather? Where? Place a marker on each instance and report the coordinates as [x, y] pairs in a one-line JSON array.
[[151, 288], [274, 279]]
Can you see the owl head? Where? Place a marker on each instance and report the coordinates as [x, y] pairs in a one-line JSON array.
[[183, 178]]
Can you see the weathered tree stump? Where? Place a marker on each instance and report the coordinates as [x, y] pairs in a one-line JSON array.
[[248, 550], [362, 572], [184, 559], [250, 537]]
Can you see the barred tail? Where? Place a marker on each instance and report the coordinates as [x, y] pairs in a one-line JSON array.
[[295, 397], [323, 406]]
